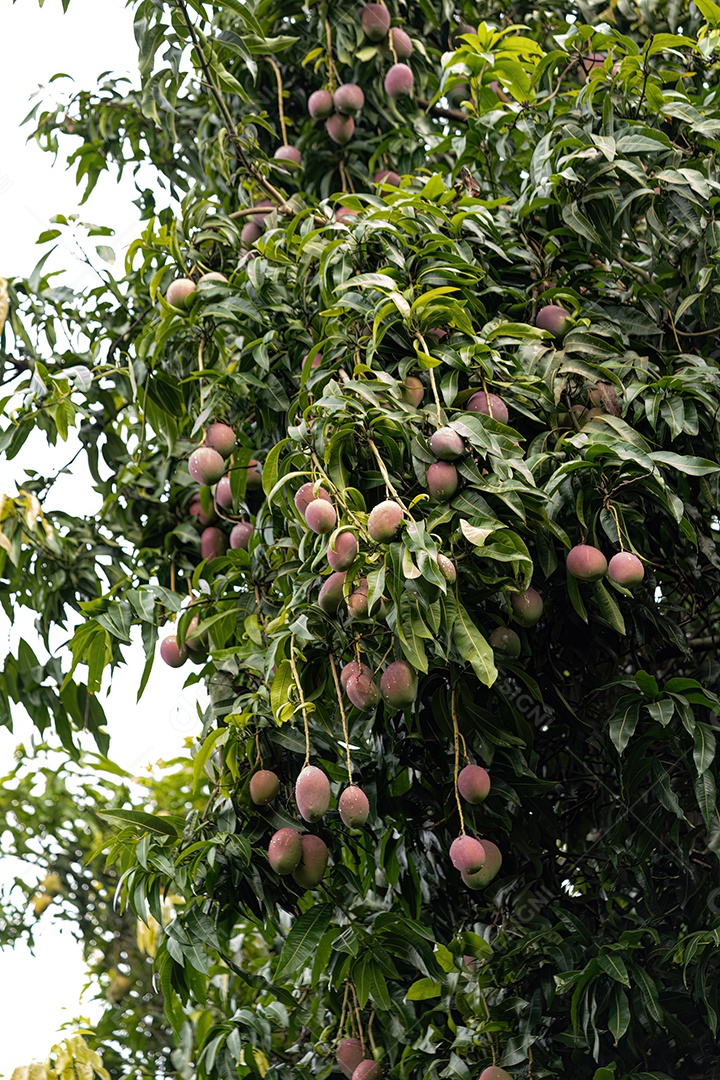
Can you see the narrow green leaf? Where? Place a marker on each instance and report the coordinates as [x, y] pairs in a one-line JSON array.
[[704, 747], [473, 647], [615, 967], [148, 822], [618, 1014], [622, 726], [214, 739], [304, 937]]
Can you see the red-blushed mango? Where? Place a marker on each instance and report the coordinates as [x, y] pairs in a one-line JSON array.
[[367, 1070], [362, 690], [401, 43], [442, 480], [478, 879], [240, 535], [353, 806], [307, 494], [195, 510], [320, 517], [320, 104], [387, 176], [399, 81], [527, 607], [171, 653], [467, 854], [264, 786], [265, 208], [399, 684], [447, 568], [505, 641], [589, 63], [488, 405], [221, 437], [195, 636], [357, 601], [345, 212], [340, 128], [498, 91], [288, 153], [384, 521], [494, 1072], [553, 318], [206, 465], [353, 668], [603, 395], [586, 563], [447, 444], [223, 493], [213, 277], [348, 1055], [249, 233], [313, 863], [626, 569], [375, 21], [179, 292], [213, 543], [413, 391], [285, 851], [474, 784], [342, 550], [312, 793], [331, 593], [348, 99]]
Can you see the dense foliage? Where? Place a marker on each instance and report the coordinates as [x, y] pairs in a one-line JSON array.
[[547, 157]]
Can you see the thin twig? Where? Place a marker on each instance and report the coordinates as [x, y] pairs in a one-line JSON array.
[[449, 114]]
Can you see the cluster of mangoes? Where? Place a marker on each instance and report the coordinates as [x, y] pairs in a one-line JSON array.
[[304, 855]]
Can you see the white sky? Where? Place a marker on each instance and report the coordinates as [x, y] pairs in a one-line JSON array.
[[38, 993]]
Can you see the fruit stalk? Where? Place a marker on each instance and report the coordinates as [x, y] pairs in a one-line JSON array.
[[281, 111], [383, 472], [456, 741], [346, 736], [303, 706]]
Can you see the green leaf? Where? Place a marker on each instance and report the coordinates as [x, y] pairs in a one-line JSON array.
[[704, 747], [649, 993], [710, 10], [216, 738], [706, 795], [618, 1014], [608, 608], [622, 726], [147, 822], [423, 990], [305, 935], [280, 689], [473, 647], [614, 966], [693, 466]]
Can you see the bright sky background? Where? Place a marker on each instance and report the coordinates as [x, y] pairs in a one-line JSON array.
[[40, 992]]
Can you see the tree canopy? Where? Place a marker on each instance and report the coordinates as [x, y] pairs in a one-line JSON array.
[[464, 331]]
